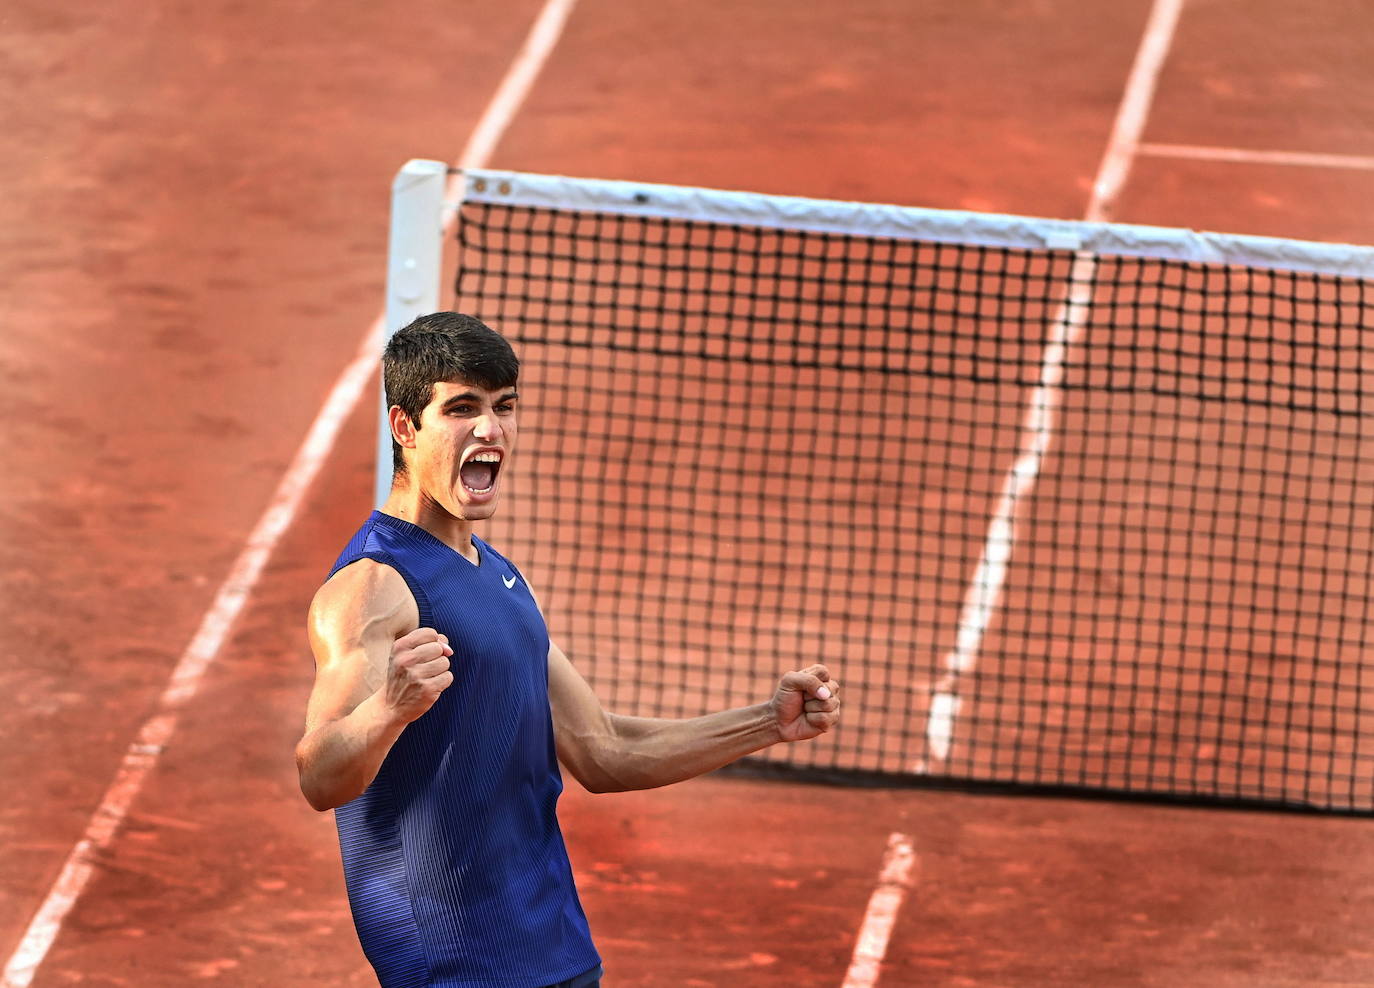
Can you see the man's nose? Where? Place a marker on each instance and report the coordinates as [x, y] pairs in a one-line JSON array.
[[487, 429]]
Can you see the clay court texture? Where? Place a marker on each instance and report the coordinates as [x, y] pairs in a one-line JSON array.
[[193, 250]]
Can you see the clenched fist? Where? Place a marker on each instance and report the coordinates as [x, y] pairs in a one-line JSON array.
[[806, 704], [417, 672]]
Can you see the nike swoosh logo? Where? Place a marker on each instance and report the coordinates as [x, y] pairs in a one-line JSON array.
[[509, 583]]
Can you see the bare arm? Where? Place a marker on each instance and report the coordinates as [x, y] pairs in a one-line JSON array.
[[608, 752], [375, 672]]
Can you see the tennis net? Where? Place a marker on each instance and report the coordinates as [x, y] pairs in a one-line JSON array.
[[1062, 505]]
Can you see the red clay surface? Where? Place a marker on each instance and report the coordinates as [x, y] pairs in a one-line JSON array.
[[193, 244]]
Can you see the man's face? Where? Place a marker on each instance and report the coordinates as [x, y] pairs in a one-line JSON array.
[[463, 447]]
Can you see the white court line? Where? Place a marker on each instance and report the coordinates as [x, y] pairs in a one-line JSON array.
[[1135, 107], [881, 915], [142, 755], [1303, 159], [510, 95], [985, 588]]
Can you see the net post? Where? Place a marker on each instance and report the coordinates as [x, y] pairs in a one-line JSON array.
[[414, 255]]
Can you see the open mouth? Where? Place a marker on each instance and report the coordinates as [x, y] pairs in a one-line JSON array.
[[479, 472]]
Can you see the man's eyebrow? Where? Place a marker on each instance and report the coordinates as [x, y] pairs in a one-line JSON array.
[[462, 396], [465, 396]]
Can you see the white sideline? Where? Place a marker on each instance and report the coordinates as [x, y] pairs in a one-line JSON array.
[[510, 95], [143, 753], [985, 588], [893, 881]]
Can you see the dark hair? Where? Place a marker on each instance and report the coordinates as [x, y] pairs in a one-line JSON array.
[[443, 346]]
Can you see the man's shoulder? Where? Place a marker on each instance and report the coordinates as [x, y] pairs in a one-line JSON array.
[[374, 544], [367, 540], [365, 573], [363, 591]]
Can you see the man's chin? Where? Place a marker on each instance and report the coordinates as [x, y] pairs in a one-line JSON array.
[[477, 511]]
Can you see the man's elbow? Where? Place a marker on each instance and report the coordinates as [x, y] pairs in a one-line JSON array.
[[599, 784], [318, 799], [321, 799], [590, 777], [318, 803], [319, 796], [594, 765]]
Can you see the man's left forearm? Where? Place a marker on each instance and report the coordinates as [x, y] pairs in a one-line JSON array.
[[646, 752]]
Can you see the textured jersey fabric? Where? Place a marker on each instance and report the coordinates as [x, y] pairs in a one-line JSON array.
[[456, 869]]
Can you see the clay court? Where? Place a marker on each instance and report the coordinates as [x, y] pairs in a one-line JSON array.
[[194, 249]]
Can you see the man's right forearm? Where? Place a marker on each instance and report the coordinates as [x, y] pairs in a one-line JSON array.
[[339, 759]]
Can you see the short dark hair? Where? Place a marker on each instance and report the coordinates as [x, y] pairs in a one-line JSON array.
[[443, 346]]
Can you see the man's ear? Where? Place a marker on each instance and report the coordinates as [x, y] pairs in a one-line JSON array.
[[402, 428]]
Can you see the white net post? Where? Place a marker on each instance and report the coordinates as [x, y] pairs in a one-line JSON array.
[[414, 255]]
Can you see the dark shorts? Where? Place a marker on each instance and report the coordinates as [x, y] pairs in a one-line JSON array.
[[587, 979]]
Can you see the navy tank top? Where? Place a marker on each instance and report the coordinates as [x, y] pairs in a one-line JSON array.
[[456, 869]]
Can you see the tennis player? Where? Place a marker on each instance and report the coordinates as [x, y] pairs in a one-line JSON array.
[[441, 709]]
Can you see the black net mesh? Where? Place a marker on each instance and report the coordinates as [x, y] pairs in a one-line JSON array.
[[745, 450]]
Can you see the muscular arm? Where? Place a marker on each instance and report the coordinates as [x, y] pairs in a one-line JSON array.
[[609, 752], [375, 672]]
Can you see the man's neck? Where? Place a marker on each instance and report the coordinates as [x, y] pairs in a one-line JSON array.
[[419, 509]]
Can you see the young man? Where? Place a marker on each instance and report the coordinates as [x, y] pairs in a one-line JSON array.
[[441, 709]]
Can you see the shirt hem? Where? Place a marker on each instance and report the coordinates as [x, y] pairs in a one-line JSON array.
[[542, 981]]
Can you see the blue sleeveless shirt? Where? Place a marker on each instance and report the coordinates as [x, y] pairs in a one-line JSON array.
[[456, 869]]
